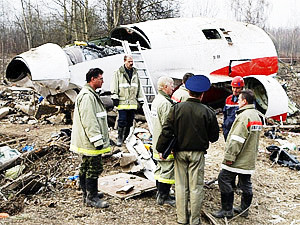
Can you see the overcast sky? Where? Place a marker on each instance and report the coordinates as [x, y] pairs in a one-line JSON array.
[[282, 13]]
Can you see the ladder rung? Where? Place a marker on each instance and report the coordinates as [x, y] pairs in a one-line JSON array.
[[141, 68], [146, 85], [138, 61], [141, 77], [150, 94], [136, 53]]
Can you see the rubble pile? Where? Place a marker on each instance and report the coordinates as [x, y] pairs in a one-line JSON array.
[[34, 170], [289, 77], [24, 106]]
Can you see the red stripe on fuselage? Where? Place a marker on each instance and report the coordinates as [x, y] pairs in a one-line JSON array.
[[261, 66], [280, 117]]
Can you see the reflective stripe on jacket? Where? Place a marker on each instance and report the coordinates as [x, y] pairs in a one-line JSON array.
[[181, 94], [160, 108], [229, 111], [127, 91], [242, 142], [90, 129]]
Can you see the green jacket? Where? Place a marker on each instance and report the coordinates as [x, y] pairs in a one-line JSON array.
[[181, 94], [90, 129], [160, 108], [242, 141], [194, 125], [128, 91]]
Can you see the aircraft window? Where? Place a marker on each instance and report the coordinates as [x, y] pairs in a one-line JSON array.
[[229, 40], [211, 34]]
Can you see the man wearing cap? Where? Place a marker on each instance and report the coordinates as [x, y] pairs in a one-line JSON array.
[[127, 96], [182, 94], [194, 125], [164, 173], [231, 104], [240, 156]]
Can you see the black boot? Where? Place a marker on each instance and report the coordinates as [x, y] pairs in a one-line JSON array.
[[92, 194], [82, 184], [126, 132], [246, 200], [227, 204], [163, 197], [120, 140]]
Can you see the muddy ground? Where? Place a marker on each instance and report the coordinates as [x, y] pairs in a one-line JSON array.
[[276, 188]]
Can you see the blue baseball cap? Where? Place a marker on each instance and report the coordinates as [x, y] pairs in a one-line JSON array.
[[198, 83]]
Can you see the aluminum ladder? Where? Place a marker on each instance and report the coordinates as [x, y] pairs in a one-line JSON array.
[[146, 82]]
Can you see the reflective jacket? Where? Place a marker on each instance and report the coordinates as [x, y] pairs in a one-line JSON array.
[[229, 111], [127, 91], [181, 94], [243, 139], [193, 124], [90, 129], [160, 108]]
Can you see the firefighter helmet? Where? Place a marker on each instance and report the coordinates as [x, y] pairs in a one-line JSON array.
[[238, 82]]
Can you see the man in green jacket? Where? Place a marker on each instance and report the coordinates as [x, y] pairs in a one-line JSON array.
[[90, 137], [240, 156], [164, 173], [194, 125], [126, 95]]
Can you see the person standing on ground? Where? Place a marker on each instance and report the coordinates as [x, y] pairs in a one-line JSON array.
[[194, 125], [182, 94], [231, 104], [127, 96], [240, 156], [164, 173], [90, 137]]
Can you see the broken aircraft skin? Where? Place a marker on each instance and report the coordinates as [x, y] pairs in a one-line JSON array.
[[219, 49]]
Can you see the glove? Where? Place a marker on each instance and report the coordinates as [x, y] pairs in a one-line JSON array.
[[115, 102], [99, 147]]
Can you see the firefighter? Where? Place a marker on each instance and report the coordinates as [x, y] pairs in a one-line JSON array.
[[240, 157], [90, 137], [182, 94], [231, 104], [230, 108], [164, 173], [127, 96]]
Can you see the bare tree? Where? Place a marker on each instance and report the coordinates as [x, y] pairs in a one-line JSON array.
[[205, 8], [130, 11], [26, 26], [251, 11]]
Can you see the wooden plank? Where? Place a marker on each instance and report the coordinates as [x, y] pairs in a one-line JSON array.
[[111, 184], [210, 217], [13, 141]]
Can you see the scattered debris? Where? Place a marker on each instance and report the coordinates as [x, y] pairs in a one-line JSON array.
[[282, 157], [144, 158], [125, 186]]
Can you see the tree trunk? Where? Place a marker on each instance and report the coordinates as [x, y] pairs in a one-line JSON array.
[[27, 33]]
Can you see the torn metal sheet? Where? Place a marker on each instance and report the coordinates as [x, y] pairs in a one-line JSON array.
[[114, 183], [135, 146]]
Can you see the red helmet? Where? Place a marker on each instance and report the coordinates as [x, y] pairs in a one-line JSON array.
[[238, 82]]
